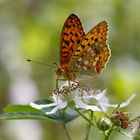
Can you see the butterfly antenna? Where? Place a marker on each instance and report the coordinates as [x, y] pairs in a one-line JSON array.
[[34, 61]]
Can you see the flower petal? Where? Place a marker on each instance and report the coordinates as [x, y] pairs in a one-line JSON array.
[[124, 104], [128, 101], [56, 108], [82, 105], [41, 106], [101, 103], [55, 97]]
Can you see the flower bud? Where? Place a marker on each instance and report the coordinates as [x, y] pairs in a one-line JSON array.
[[120, 119], [103, 124]]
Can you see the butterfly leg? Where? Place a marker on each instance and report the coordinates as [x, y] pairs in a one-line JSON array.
[[56, 83]]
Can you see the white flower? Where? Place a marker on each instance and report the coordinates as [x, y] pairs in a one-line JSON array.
[[75, 95], [58, 104]]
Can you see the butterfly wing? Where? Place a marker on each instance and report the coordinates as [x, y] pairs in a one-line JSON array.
[[71, 36], [92, 54]]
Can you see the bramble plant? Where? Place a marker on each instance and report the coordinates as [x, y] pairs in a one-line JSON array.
[[73, 100]]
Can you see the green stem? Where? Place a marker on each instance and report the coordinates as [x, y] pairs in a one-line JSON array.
[[66, 131], [88, 130], [91, 123], [89, 127]]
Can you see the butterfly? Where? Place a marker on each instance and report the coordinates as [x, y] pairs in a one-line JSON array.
[[82, 55]]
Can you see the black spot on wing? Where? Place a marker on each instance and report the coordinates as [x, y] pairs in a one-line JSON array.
[[64, 47], [72, 49], [66, 34], [72, 40], [66, 42], [89, 44], [78, 50], [76, 35], [78, 41], [96, 39], [83, 46]]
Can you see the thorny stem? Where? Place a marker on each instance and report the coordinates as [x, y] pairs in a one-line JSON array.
[[91, 123], [66, 131], [89, 126]]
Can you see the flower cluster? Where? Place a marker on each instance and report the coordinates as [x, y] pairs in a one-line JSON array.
[[76, 95]]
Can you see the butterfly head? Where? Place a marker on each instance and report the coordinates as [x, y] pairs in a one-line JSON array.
[[60, 71], [65, 73]]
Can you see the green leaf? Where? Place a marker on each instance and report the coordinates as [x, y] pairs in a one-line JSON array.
[[23, 115], [27, 112], [20, 108], [44, 101], [15, 111]]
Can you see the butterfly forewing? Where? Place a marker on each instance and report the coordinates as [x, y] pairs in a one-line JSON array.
[[71, 36], [92, 54]]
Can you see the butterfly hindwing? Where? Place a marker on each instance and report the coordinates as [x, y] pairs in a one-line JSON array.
[[92, 54]]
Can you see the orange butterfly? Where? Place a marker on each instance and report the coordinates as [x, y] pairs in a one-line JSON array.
[[82, 55]]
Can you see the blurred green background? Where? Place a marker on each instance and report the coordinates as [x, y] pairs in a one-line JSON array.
[[32, 28]]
